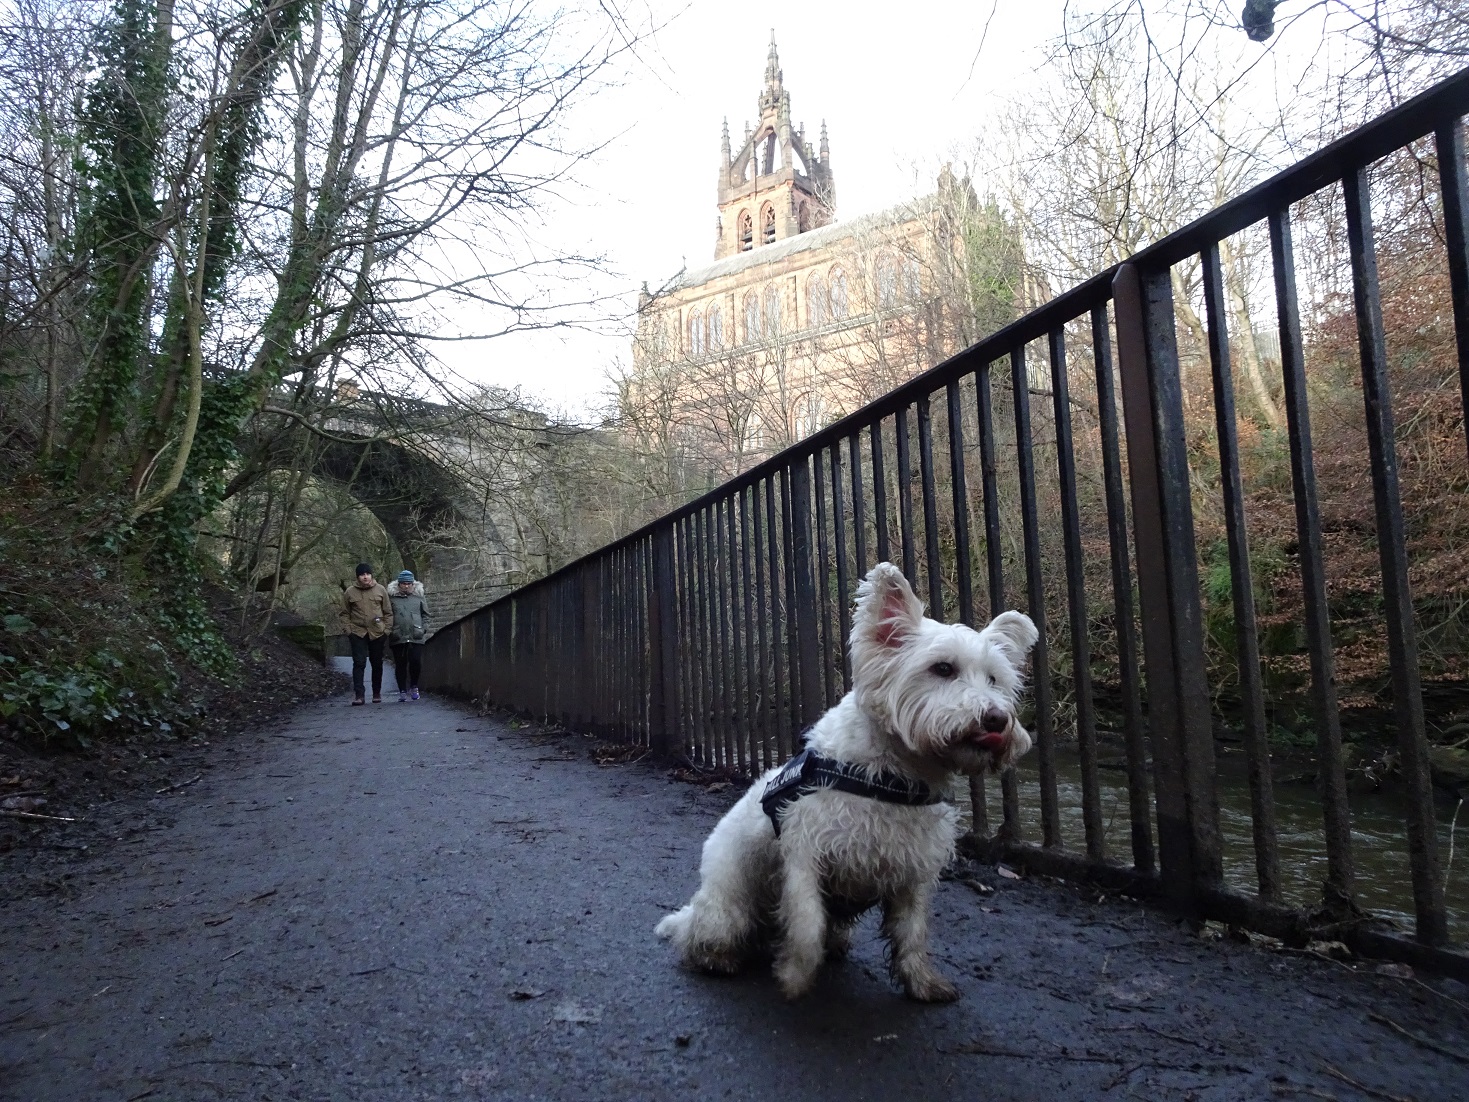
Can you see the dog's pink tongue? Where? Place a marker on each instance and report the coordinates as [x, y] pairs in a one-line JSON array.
[[991, 741]]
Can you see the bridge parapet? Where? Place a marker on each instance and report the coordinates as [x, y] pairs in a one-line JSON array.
[[718, 632]]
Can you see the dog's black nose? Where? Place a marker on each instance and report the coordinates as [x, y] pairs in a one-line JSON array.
[[994, 720]]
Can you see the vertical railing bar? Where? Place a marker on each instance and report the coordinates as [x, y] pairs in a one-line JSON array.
[[1139, 808], [700, 603], [879, 494], [719, 657], [935, 565], [793, 656], [781, 681], [830, 649], [1339, 889], [1036, 598], [1449, 143], [859, 510], [1081, 659], [734, 660], [812, 695], [689, 650], [769, 653], [905, 496], [963, 559], [1247, 646], [1168, 584], [1392, 543], [995, 567], [749, 548], [839, 538]]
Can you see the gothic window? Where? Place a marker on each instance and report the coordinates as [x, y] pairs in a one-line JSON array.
[[809, 415], [747, 232], [838, 293], [696, 333], [818, 309], [754, 434], [910, 287], [767, 226], [752, 318], [772, 310], [716, 329], [887, 281], [803, 218]]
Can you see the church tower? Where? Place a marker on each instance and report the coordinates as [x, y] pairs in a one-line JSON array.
[[775, 186]]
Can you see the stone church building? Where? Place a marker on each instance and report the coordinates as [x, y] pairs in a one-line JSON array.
[[802, 318]]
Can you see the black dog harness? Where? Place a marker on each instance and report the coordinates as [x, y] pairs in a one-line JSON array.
[[808, 771]]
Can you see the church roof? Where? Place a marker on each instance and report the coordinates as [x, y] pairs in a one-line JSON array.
[[804, 242]]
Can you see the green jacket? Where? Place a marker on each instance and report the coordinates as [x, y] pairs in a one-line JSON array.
[[367, 612], [410, 614]]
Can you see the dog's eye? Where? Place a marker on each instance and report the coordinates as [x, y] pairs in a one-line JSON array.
[[942, 669]]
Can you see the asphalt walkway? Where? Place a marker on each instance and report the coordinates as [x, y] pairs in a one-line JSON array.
[[410, 902]]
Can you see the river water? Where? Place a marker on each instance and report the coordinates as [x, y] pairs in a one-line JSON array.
[[1379, 841]]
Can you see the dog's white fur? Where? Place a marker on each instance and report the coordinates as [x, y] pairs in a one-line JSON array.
[[928, 701]]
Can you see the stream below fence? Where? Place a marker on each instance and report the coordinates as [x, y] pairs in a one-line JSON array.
[[1379, 839]]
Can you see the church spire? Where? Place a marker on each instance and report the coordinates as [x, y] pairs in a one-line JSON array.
[[773, 75], [724, 141]]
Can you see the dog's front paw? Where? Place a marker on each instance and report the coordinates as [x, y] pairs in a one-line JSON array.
[[931, 988], [795, 979]]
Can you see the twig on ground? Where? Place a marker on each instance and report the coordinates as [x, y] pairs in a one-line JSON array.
[[983, 1048], [1337, 1073], [181, 784], [1442, 1050], [37, 815]]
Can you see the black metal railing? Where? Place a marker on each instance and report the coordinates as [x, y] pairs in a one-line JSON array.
[[719, 631]]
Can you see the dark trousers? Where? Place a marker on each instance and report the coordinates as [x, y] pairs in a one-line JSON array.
[[407, 664], [363, 649]]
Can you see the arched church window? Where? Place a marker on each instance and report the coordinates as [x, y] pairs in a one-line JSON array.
[[747, 231], [696, 333], [752, 318], [838, 293], [772, 310], [767, 225], [887, 281], [716, 329], [803, 218], [818, 309], [910, 287]]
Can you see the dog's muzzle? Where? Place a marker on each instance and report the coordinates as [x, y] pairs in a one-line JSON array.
[[992, 735]]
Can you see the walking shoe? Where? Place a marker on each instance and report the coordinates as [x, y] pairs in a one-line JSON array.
[[357, 700], [402, 697], [377, 698], [415, 692]]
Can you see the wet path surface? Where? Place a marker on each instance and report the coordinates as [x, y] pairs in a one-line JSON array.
[[408, 902]]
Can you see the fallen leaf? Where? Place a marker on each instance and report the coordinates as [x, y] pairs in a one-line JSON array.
[[579, 1013], [1007, 873]]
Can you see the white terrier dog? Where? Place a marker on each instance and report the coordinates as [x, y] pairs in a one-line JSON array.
[[856, 820]]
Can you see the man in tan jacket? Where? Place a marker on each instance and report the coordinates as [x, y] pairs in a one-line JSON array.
[[367, 617]]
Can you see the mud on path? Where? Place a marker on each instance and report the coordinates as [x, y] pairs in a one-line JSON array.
[[411, 902]]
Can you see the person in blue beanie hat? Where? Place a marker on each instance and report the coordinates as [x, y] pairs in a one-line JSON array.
[[410, 623]]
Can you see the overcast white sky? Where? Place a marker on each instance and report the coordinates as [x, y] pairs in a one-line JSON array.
[[898, 86], [894, 85]]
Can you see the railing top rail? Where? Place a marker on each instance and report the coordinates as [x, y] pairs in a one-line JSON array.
[[1444, 103]]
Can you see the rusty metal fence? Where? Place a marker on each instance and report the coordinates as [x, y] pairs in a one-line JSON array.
[[718, 632]]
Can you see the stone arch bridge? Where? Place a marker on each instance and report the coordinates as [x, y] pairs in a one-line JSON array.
[[444, 482]]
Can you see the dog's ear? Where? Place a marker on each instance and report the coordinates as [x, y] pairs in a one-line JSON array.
[[888, 613], [1014, 634]]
